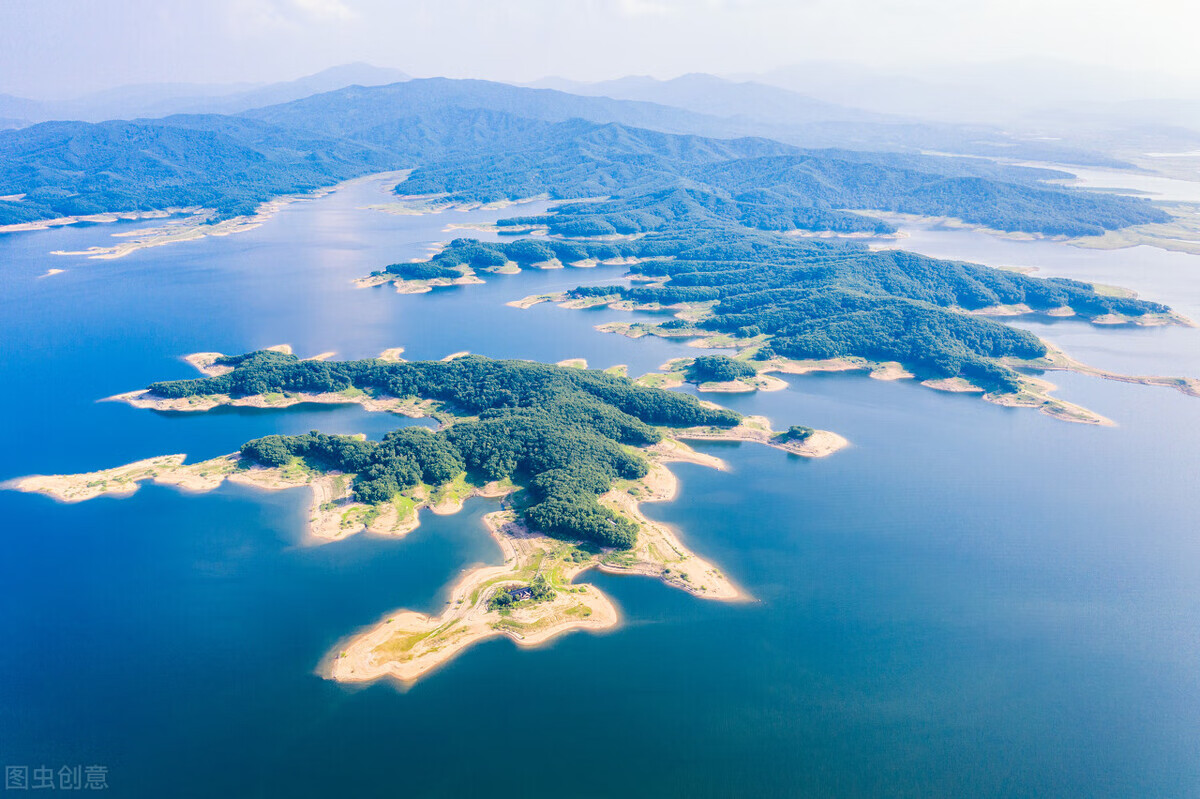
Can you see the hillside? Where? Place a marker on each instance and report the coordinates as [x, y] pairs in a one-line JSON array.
[[488, 140]]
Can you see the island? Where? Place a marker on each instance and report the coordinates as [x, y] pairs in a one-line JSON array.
[[795, 306], [570, 451]]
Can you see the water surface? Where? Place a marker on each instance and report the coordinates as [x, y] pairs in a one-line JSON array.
[[970, 601]]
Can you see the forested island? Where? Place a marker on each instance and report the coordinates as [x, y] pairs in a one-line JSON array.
[[780, 299], [565, 434], [574, 451]]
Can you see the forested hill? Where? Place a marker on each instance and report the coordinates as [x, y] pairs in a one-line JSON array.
[[564, 434], [485, 140], [225, 163], [801, 298], [653, 178]]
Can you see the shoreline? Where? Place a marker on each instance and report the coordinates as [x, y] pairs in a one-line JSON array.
[[1034, 392], [1058, 361], [1181, 234], [426, 204], [105, 218], [757, 430], [193, 227], [413, 644], [472, 276], [333, 514], [1111, 319], [428, 642], [407, 645]]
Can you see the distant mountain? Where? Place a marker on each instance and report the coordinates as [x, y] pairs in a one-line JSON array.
[[156, 100], [325, 81], [365, 109], [694, 104], [758, 109], [994, 93], [709, 94], [139, 100], [882, 91], [484, 140], [16, 112]]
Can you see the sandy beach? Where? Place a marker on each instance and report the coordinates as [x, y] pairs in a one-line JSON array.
[[194, 225], [193, 228], [1057, 360], [757, 429], [96, 219], [407, 645]]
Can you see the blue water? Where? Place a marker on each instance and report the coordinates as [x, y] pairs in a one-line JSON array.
[[970, 601]]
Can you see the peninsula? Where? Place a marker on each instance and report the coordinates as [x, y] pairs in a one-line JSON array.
[[793, 305]]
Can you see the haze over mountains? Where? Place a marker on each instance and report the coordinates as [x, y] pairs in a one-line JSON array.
[[974, 108], [979, 111], [709, 94], [749, 107], [1040, 96], [503, 141], [163, 99]]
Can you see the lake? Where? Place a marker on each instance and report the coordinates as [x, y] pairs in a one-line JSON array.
[[970, 601]]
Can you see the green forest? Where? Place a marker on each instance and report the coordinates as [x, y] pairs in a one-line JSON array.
[[563, 434], [480, 141], [822, 299], [717, 369]]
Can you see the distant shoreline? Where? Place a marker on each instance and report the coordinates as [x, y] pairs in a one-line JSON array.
[[195, 226]]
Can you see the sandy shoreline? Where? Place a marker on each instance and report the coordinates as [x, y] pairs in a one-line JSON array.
[[757, 430], [1034, 392], [124, 481], [471, 276], [194, 226], [97, 219], [143, 399], [427, 642], [422, 204], [407, 645], [1145, 320], [1057, 360]]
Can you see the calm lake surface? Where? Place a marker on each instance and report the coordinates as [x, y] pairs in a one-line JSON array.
[[970, 601]]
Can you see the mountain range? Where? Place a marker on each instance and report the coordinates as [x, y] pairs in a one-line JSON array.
[[164, 99], [497, 140]]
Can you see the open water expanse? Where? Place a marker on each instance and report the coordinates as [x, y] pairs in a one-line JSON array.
[[970, 601]]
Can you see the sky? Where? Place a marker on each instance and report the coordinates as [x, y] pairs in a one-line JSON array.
[[63, 48]]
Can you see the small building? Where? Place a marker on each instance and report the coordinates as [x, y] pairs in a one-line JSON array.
[[521, 592]]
